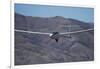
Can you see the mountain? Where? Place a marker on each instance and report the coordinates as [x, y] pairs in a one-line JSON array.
[[40, 49]]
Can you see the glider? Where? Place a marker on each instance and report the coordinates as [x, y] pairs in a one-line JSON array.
[[54, 35]]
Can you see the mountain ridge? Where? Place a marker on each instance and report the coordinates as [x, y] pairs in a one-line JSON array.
[[59, 17]]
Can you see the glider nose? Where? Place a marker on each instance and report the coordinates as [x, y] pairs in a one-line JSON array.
[[50, 35]]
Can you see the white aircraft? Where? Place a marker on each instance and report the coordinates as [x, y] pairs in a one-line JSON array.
[[54, 35]]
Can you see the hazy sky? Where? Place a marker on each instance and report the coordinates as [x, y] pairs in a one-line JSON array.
[[83, 14]]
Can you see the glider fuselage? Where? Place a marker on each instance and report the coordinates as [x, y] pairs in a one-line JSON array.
[[55, 35]]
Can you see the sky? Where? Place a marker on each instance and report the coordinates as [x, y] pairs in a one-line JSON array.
[[79, 13]]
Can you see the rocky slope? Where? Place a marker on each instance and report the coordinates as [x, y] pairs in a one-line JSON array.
[[40, 49]]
